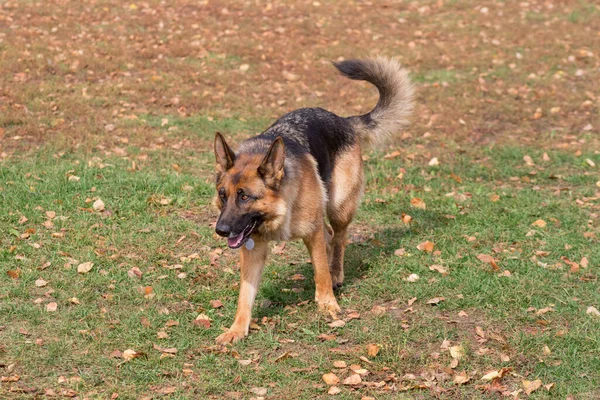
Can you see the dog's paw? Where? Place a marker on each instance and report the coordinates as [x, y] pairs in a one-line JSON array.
[[230, 336], [330, 307]]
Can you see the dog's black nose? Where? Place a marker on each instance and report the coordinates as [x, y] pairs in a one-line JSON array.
[[223, 229]]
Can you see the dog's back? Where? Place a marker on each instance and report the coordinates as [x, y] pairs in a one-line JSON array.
[[325, 135]]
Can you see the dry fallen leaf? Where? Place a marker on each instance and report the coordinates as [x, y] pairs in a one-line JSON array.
[[539, 223], [338, 323], [51, 307], [14, 273], [373, 349], [479, 331], [339, 364], [591, 310], [331, 379], [85, 267], [130, 354], [259, 391], [412, 278], [216, 304], [496, 374], [436, 300], [98, 205], [531, 386], [203, 321], [40, 283], [134, 272], [461, 378], [417, 202], [439, 269], [426, 246], [353, 379], [488, 259], [334, 390], [457, 352]]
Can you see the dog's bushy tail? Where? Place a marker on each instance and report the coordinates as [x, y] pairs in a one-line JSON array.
[[395, 103]]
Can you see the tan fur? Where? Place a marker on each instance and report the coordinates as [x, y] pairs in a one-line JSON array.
[[297, 205]]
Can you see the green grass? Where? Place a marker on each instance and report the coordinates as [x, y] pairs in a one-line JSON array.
[[136, 230]]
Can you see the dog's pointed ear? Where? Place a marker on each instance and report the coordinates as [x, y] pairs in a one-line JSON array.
[[223, 153], [272, 164]]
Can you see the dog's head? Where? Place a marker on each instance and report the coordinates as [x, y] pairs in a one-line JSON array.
[[248, 190]]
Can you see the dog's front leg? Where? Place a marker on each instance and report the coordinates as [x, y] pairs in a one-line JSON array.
[[317, 246], [252, 264]]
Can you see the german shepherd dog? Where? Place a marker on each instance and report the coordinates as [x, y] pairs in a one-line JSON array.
[[307, 167]]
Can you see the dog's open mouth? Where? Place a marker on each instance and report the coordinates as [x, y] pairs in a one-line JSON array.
[[238, 240]]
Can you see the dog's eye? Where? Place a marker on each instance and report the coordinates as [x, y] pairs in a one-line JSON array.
[[245, 197]]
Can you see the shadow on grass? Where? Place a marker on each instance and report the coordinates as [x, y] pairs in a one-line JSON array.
[[280, 291]]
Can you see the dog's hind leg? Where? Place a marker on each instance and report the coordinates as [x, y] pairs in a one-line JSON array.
[[345, 192], [252, 264], [317, 246]]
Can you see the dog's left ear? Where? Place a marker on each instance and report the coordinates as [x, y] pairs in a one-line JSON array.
[[223, 153], [272, 165]]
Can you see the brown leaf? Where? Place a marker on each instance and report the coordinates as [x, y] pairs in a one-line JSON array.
[[531, 386], [216, 304], [14, 273], [51, 307], [98, 205], [539, 223], [461, 378], [373, 349], [417, 202], [167, 390], [12, 378], [202, 321], [439, 269], [436, 300], [40, 283], [338, 323], [330, 379], [392, 155], [591, 310], [426, 246], [353, 379], [130, 354], [171, 322], [334, 390], [479, 331], [399, 252], [134, 272], [85, 267], [339, 364]]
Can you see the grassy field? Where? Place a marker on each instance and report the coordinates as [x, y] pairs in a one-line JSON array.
[[107, 247]]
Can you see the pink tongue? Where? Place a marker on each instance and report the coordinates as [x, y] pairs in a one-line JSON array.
[[235, 241]]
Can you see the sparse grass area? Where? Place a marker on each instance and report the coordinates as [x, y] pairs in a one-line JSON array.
[[120, 101]]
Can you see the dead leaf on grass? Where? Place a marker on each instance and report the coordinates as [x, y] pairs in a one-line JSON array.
[[461, 378], [436, 300], [373, 349], [426, 246], [531, 386], [412, 278], [338, 323], [417, 202], [334, 390], [353, 379], [539, 223], [331, 379], [85, 267], [591, 310], [40, 283], [51, 307], [439, 269]]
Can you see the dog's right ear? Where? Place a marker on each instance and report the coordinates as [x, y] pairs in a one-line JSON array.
[[223, 153]]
